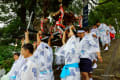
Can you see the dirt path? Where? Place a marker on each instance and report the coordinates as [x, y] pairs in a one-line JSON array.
[[110, 68]]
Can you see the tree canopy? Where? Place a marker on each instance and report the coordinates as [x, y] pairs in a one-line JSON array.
[[15, 15], [21, 9], [106, 13]]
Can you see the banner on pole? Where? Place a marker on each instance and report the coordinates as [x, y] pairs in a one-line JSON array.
[[85, 13]]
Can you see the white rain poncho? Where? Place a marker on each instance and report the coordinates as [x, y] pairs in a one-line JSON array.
[[71, 56], [44, 59], [29, 71], [104, 37]]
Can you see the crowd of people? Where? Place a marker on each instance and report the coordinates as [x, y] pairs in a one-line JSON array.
[[78, 54]]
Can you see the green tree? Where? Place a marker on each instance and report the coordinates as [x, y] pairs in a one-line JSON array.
[[106, 13]]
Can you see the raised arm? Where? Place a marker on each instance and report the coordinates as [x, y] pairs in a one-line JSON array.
[[49, 40], [71, 30], [64, 38], [27, 37], [22, 43], [38, 37]]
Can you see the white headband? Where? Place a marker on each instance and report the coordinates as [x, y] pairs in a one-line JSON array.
[[80, 31]]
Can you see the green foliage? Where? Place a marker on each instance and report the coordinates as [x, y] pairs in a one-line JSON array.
[[106, 13], [6, 64], [11, 30], [41, 8], [75, 7]]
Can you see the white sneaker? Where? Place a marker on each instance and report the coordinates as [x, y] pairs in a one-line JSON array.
[[106, 49], [94, 66]]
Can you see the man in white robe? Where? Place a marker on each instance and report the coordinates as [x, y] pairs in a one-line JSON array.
[[95, 30], [104, 35], [44, 59], [86, 47], [29, 71], [16, 66], [71, 58], [71, 69], [13, 72], [94, 56]]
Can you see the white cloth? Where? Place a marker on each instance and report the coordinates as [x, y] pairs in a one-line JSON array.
[[71, 56], [59, 59], [96, 31], [87, 46], [105, 39], [13, 68], [16, 67], [94, 55], [112, 30], [44, 59], [5, 77], [29, 71]]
